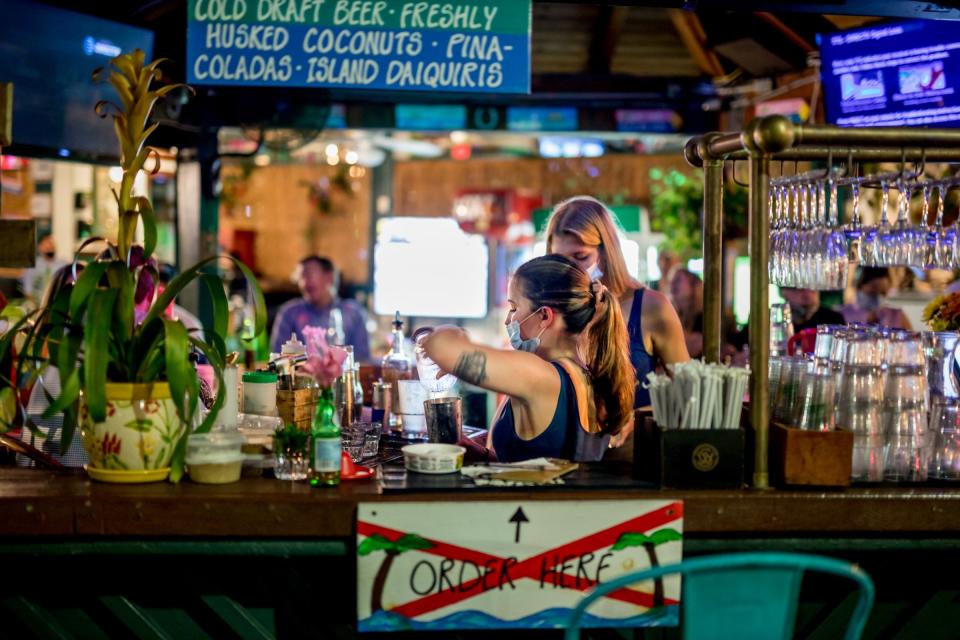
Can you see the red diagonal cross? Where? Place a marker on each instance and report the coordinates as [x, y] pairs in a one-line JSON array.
[[531, 567]]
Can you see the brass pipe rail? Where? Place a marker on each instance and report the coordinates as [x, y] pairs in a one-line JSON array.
[[764, 140]]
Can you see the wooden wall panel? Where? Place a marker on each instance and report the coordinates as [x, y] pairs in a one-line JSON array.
[[428, 187], [289, 227]]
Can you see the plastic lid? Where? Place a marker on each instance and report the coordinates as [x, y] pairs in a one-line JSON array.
[[218, 439], [293, 346], [264, 377]]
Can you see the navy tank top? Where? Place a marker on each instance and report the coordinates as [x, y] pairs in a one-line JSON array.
[[642, 361], [564, 437]]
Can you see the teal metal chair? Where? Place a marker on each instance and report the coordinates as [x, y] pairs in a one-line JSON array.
[[748, 596]]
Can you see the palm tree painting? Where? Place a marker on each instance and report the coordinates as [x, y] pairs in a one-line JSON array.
[[393, 548], [649, 543]]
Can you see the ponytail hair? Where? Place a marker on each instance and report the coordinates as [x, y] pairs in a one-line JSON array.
[[592, 312]]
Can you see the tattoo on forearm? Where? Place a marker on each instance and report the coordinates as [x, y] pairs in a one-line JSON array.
[[471, 367]]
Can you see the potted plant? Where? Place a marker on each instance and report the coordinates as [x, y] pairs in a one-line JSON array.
[[126, 377]]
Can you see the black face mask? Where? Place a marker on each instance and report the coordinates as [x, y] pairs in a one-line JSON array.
[[49, 255]]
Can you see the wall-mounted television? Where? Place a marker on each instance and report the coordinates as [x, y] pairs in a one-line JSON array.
[[50, 54], [896, 74], [429, 268]]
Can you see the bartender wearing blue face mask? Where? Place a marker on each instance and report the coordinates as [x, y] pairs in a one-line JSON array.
[[568, 378]]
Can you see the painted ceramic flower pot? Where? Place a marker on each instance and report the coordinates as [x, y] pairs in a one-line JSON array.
[[136, 441]]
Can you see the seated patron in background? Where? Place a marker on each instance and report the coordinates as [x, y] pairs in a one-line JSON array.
[[668, 262], [806, 311], [34, 281], [686, 294], [320, 307], [568, 378], [873, 285]]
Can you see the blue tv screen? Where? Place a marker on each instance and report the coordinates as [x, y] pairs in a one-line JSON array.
[[898, 74], [50, 54]]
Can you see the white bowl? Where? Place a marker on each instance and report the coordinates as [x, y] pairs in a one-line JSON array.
[[433, 458]]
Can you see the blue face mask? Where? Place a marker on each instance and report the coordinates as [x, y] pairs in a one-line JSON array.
[[594, 272], [530, 345]]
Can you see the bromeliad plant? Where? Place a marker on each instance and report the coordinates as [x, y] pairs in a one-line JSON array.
[[92, 331]]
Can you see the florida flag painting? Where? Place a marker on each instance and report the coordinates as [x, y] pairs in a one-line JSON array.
[[514, 564]]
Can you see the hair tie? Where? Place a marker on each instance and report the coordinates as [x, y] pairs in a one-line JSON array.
[[597, 288]]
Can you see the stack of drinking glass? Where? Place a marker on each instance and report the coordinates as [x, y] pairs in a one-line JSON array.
[[891, 388]]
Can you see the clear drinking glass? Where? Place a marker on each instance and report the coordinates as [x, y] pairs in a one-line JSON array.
[[905, 418], [945, 439], [371, 438], [352, 439], [859, 400], [291, 464], [790, 373], [816, 408], [773, 378], [938, 347], [781, 328]]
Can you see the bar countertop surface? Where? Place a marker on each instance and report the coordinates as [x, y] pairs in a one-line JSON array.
[[69, 504]]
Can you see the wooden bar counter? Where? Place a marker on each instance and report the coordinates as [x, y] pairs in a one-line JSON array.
[[48, 503], [263, 558]]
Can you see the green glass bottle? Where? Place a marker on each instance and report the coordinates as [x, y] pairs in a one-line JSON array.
[[326, 448]]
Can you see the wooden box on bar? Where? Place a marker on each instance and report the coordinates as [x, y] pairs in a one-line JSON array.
[[298, 406], [817, 458], [689, 458]]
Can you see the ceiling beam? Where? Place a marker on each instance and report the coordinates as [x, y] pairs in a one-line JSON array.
[[693, 36], [790, 34], [606, 37]]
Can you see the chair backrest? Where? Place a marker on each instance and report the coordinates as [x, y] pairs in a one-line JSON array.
[[749, 596]]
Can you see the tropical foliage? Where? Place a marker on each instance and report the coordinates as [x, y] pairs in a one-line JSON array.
[[630, 539], [91, 333], [677, 210], [393, 548]]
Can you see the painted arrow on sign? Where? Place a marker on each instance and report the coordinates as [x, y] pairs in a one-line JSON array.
[[519, 517]]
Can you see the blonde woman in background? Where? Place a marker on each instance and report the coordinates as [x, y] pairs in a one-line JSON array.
[[583, 229]]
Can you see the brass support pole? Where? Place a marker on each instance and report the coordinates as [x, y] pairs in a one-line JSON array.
[[712, 258], [759, 315]]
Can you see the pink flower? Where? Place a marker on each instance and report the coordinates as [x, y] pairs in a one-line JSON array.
[[324, 362]]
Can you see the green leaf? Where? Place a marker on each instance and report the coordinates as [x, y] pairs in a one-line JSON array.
[[630, 539], [121, 280], [412, 541], [86, 283], [180, 374], [177, 285], [665, 535], [95, 354], [141, 425], [373, 543], [149, 225], [218, 301]]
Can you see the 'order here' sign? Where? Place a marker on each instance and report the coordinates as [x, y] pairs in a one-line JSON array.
[[424, 45]]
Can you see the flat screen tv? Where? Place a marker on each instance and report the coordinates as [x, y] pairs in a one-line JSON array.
[[896, 74], [49, 54]]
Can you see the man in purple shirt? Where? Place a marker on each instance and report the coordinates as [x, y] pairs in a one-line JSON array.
[[320, 307]]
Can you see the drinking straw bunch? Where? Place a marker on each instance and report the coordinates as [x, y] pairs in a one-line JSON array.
[[698, 395]]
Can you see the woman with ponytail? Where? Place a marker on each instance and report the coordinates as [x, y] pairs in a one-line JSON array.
[[583, 229], [568, 378]]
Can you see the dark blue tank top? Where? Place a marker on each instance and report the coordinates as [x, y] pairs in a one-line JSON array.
[[563, 438], [642, 361]]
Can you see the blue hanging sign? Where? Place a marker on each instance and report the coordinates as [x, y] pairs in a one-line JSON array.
[[466, 46]]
